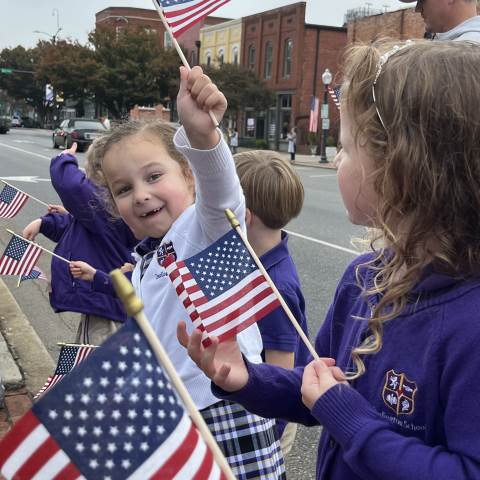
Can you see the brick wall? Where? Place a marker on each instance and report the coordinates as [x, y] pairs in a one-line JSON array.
[[143, 113], [401, 24]]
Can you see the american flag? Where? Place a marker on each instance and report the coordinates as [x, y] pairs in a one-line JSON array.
[[69, 357], [19, 257], [35, 274], [221, 287], [115, 416], [182, 14], [314, 110], [335, 94], [11, 201]]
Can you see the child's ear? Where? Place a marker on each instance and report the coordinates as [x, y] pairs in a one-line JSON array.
[[248, 217]]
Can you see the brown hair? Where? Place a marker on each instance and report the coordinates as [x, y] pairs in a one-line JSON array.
[[156, 130], [273, 190], [426, 167]]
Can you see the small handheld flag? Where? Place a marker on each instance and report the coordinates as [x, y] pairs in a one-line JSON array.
[[69, 357], [35, 274], [222, 288], [335, 94], [19, 257], [115, 415], [182, 14], [11, 201]]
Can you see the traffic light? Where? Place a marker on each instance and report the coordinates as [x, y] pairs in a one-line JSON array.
[[6, 71]]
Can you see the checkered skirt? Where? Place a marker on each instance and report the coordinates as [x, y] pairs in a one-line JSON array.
[[249, 442]]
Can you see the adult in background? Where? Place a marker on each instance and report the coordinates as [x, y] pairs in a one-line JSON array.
[[450, 19], [292, 143], [234, 141], [105, 121]]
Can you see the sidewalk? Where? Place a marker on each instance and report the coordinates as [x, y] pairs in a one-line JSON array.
[[24, 362]]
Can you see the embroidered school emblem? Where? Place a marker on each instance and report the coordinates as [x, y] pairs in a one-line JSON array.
[[399, 392], [163, 252]]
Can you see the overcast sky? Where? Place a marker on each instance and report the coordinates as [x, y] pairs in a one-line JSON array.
[[77, 18]]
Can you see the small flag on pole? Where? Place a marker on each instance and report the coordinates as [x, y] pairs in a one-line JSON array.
[[182, 14], [35, 274], [222, 288], [11, 201], [335, 94], [70, 356], [314, 111], [19, 257], [114, 416]]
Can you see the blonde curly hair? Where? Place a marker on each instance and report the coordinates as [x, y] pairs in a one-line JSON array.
[[426, 168]]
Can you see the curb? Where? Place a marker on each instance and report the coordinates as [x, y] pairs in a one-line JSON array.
[[23, 345]]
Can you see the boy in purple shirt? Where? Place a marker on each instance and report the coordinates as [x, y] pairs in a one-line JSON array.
[[274, 195]]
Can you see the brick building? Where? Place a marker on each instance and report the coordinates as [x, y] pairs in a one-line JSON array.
[[400, 24], [221, 43], [291, 57], [128, 17]]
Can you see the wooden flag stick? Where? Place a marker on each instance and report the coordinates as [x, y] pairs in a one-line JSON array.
[[236, 225], [39, 246], [134, 307], [63, 344], [25, 193], [179, 50]]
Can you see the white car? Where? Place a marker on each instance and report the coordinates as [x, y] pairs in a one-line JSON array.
[[16, 122]]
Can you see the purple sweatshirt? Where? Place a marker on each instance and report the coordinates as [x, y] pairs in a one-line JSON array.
[[415, 413]]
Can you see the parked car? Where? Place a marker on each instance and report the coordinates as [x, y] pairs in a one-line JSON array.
[[80, 130], [16, 121], [4, 124]]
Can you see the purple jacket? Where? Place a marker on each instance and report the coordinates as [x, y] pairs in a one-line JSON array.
[[88, 234], [415, 413]]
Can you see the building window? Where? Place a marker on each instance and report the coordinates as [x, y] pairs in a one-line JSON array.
[[167, 41], [287, 57], [267, 69], [208, 58], [251, 57], [235, 55], [193, 57], [221, 57]]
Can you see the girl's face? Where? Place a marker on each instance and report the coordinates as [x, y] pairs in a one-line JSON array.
[[354, 177], [148, 186]]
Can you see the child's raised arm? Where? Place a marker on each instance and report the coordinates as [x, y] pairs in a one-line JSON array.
[[196, 97]]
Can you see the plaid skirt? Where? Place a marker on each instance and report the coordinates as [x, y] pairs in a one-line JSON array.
[[250, 443]]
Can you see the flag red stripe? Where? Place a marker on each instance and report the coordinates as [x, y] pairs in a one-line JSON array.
[[205, 468], [38, 458], [234, 297], [232, 315], [69, 472], [16, 436], [176, 461], [246, 323], [178, 32]]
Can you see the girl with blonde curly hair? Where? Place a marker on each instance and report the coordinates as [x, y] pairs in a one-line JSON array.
[[397, 388]]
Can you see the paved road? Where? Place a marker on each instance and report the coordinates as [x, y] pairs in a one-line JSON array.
[[320, 245]]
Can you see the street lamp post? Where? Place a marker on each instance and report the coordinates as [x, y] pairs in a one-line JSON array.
[[327, 80], [59, 28]]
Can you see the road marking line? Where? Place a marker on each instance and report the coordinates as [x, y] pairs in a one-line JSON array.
[[326, 244], [24, 151]]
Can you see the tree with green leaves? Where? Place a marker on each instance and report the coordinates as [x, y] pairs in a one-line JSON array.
[[241, 87], [132, 68], [22, 86]]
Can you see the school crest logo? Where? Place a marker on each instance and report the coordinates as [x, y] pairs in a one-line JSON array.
[[399, 393], [164, 251]]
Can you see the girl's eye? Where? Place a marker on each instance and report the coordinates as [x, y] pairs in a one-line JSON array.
[[154, 176], [121, 190]]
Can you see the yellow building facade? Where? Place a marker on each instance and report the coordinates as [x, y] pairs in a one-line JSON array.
[[221, 43]]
